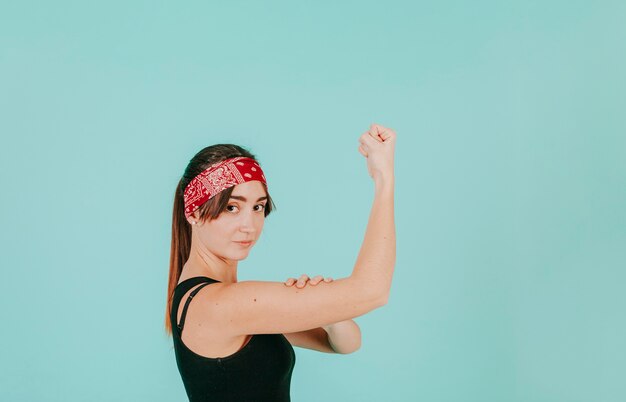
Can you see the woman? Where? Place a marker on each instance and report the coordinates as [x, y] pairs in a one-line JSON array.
[[238, 336]]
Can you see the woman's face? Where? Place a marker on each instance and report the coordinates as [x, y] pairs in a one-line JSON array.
[[241, 221]]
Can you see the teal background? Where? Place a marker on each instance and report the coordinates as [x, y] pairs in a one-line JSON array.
[[510, 174]]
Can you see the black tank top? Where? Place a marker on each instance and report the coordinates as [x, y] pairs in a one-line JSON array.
[[260, 371]]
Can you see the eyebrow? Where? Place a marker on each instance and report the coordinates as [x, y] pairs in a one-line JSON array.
[[244, 199]]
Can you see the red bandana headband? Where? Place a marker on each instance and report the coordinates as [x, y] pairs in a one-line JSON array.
[[219, 177]]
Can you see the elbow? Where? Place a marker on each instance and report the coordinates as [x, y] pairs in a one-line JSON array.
[[382, 299], [376, 300], [344, 337], [352, 346], [357, 344], [377, 297], [351, 350]]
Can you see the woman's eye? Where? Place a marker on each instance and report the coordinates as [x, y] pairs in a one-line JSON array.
[[231, 208]]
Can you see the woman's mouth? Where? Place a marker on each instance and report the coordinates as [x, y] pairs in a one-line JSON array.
[[244, 243]]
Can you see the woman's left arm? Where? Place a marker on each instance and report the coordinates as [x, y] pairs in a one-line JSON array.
[[341, 337], [344, 336]]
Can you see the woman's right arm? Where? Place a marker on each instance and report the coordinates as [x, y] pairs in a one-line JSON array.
[[256, 307]]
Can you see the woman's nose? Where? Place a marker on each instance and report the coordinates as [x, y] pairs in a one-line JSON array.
[[247, 224], [247, 228]]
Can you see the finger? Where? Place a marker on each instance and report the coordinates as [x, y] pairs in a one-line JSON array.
[[362, 137], [385, 133], [362, 151], [290, 281], [363, 144], [302, 280], [316, 279], [374, 132], [329, 279], [368, 141]]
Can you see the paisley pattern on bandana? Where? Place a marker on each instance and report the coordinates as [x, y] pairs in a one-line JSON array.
[[219, 177]]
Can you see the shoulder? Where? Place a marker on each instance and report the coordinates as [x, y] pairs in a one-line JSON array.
[[205, 328], [199, 297]]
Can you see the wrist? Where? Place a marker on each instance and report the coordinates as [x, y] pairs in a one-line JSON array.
[[384, 181]]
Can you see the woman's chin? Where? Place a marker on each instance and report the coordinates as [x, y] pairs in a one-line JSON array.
[[240, 255]]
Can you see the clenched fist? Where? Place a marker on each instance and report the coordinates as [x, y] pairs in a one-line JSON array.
[[378, 145]]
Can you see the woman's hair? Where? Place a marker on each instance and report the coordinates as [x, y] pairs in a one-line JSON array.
[[181, 229]]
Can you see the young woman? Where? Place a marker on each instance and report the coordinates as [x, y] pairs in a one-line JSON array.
[[238, 336]]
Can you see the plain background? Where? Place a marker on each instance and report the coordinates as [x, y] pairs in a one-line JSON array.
[[510, 174]]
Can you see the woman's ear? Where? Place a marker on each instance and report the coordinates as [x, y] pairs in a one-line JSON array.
[[194, 219]]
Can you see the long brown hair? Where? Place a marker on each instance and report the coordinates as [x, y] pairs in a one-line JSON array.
[[181, 229]]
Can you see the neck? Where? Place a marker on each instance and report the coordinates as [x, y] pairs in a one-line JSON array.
[[204, 263]]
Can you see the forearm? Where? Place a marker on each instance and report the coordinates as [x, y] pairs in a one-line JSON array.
[[377, 256], [344, 336]]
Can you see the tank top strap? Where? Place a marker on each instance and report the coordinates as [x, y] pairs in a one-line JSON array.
[[183, 288]]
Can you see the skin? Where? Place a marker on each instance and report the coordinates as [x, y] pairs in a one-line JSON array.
[[312, 313], [341, 337]]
